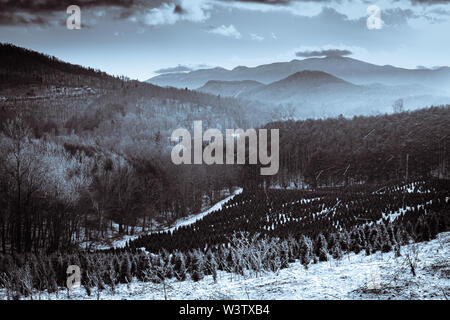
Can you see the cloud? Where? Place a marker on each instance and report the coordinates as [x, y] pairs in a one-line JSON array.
[[256, 37], [182, 10], [21, 18], [352, 9], [155, 12], [181, 68], [268, 2], [50, 12], [282, 2], [398, 16], [178, 68], [225, 31], [287, 2], [53, 5], [323, 53], [440, 11], [168, 12], [430, 2]]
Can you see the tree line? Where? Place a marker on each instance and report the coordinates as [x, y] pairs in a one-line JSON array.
[[364, 149]]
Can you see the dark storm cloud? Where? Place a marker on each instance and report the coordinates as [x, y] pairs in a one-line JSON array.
[[45, 6], [21, 12], [7, 18], [55, 5], [323, 53], [24, 12]]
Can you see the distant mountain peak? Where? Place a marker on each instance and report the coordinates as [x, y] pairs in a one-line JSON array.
[[240, 68], [313, 76]]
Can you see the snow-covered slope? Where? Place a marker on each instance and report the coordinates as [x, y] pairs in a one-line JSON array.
[[378, 276], [193, 218]]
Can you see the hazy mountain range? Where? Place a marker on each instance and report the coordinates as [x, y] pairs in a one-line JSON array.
[[348, 69], [316, 93], [321, 86]]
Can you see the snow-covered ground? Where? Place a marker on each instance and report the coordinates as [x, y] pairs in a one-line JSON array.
[[379, 276]]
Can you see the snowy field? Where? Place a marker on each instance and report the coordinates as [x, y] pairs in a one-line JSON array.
[[378, 276]]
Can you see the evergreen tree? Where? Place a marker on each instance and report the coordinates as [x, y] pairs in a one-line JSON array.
[[434, 226], [321, 248], [284, 255], [117, 268], [179, 266], [355, 242], [368, 249], [385, 239], [212, 264], [143, 266], [133, 269], [197, 266], [306, 251], [125, 269], [336, 251]]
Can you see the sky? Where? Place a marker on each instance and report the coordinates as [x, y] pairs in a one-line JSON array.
[[140, 39]]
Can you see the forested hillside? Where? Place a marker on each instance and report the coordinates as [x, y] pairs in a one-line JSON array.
[[20, 67], [342, 151], [75, 161]]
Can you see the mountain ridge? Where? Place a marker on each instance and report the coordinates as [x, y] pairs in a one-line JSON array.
[[349, 69]]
